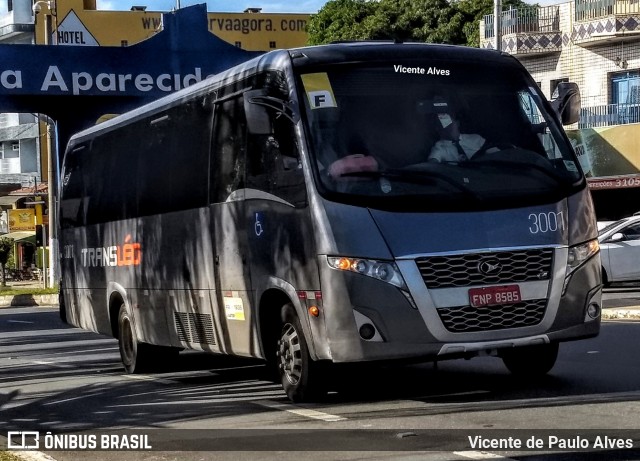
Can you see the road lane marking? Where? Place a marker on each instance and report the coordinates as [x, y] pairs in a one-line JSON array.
[[149, 378], [20, 321], [51, 364], [305, 412], [455, 394]]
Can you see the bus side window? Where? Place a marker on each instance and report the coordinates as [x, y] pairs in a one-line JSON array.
[[110, 170], [71, 212], [273, 162], [228, 153]]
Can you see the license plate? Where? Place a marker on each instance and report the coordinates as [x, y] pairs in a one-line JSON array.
[[490, 296]]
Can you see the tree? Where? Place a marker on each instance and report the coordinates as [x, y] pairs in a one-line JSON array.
[[411, 20], [433, 21], [6, 247], [340, 20]]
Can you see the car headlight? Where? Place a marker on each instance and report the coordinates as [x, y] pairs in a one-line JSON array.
[[580, 253], [382, 270]]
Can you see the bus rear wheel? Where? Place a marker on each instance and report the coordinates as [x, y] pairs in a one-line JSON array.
[[301, 377], [531, 361]]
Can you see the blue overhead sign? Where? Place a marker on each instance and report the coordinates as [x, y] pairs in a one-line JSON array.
[[75, 85]]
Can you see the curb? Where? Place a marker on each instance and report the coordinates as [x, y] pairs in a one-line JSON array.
[[620, 314], [28, 300], [31, 455]]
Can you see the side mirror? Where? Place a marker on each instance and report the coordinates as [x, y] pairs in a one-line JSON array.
[[617, 237], [258, 121], [566, 102]]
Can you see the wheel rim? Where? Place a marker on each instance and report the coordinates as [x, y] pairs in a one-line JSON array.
[[290, 354], [126, 341]]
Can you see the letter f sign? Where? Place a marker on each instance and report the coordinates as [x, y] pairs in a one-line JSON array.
[[321, 98]]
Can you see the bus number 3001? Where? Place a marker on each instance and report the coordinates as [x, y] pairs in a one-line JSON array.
[[546, 222]]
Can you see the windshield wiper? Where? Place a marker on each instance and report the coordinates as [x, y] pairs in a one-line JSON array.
[[518, 166], [415, 177]]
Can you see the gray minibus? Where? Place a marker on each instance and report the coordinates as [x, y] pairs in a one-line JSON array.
[[353, 202]]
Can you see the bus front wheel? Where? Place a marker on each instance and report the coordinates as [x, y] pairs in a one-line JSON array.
[[136, 356], [301, 377], [530, 361]]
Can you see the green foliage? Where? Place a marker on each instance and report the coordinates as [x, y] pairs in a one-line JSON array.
[[6, 456], [340, 20], [13, 291], [6, 248], [433, 21]]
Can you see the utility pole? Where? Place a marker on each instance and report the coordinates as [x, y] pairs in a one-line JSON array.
[[46, 6], [497, 23]]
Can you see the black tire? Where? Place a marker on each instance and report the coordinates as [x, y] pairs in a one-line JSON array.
[[301, 377], [62, 306], [531, 361], [136, 357], [605, 279]]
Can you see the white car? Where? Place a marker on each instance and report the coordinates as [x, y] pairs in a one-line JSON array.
[[620, 250]]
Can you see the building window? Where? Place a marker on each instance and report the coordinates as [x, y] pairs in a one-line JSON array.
[[239, 44], [10, 5], [625, 88], [625, 96], [124, 42], [272, 44]]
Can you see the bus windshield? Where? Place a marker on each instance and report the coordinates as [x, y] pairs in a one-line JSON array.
[[434, 134]]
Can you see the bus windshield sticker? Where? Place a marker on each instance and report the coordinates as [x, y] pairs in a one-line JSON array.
[[319, 91], [233, 307]]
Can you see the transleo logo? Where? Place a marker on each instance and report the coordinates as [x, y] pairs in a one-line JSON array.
[[127, 254]]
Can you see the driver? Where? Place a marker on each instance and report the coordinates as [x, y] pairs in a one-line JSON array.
[[453, 146]]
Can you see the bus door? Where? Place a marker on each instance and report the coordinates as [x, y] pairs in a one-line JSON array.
[[231, 262]]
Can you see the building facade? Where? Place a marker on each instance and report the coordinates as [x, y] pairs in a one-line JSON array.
[[596, 44], [19, 136]]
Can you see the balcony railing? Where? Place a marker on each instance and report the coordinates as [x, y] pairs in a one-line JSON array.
[[525, 20], [587, 10], [609, 115]]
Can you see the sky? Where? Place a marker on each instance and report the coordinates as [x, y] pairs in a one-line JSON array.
[[236, 6]]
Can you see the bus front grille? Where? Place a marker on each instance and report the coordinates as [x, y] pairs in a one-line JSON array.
[[467, 319], [194, 328], [464, 270]]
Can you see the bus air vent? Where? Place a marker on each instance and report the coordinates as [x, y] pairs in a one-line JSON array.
[[194, 328]]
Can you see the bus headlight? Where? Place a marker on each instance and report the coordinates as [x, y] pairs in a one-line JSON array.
[[580, 253], [381, 270]]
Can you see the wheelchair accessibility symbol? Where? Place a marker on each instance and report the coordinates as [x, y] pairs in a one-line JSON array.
[[258, 225]]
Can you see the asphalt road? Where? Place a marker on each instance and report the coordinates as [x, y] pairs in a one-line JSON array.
[[64, 380]]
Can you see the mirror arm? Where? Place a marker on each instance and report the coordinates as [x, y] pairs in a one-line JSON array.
[[277, 104]]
